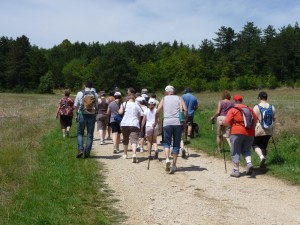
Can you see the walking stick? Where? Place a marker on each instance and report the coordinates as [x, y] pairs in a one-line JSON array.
[[149, 157], [223, 150], [212, 132]]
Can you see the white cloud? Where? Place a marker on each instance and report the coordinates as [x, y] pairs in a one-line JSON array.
[[48, 23]]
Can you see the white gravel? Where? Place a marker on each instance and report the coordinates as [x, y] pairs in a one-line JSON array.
[[200, 192]]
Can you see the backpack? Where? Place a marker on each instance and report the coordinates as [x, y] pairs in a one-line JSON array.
[[247, 116], [266, 116], [66, 107], [88, 104]]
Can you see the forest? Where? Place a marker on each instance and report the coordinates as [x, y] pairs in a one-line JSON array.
[[252, 58]]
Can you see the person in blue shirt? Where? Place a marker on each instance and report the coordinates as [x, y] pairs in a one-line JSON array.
[[192, 104]]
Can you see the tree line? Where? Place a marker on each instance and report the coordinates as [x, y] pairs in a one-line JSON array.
[[250, 59]]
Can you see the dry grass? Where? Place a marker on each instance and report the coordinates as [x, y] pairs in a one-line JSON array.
[[23, 120], [285, 100]]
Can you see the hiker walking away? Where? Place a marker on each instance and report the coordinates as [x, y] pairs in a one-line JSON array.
[[110, 99], [65, 113], [264, 128], [102, 116], [87, 107], [112, 111], [191, 103], [172, 128], [153, 95], [151, 127], [141, 101], [223, 107], [130, 125], [242, 120]]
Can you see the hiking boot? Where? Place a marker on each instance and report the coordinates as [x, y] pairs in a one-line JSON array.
[[183, 152], [156, 154], [134, 158], [235, 173], [79, 154], [262, 163], [249, 169], [173, 170], [168, 165]]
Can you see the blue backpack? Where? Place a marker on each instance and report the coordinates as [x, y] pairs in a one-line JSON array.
[[266, 117]]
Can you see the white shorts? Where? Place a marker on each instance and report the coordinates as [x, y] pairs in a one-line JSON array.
[[149, 131]]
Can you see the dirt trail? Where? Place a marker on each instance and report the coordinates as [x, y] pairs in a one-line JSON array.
[[200, 192]]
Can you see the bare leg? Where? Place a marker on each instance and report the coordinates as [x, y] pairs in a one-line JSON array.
[[219, 143]]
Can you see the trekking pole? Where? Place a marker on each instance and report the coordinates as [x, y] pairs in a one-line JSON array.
[[223, 150], [212, 132], [149, 158], [274, 144]]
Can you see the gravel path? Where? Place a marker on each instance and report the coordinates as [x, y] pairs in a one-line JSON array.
[[200, 192]]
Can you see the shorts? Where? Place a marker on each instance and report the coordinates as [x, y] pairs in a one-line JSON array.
[[115, 127], [131, 134], [172, 132], [65, 121], [102, 121], [262, 143], [222, 130], [190, 120], [149, 131]]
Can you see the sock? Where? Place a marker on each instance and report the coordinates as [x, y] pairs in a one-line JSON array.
[[167, 160], [248, 161]]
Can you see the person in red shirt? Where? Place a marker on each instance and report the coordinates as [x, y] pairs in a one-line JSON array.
[[241, 138]]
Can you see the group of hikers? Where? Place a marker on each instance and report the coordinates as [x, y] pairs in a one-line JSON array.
[[137, 117]]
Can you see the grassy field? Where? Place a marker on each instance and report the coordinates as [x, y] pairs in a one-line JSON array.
[[41, 180], [283, 163]]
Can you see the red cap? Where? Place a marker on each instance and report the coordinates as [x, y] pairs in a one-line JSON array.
[[237, 98]]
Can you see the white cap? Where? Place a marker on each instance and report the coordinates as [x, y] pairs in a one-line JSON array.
[[152, 101], [144, 95], [140, 99], [117, 93], [169, 88]]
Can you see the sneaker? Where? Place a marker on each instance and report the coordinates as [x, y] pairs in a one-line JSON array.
[[173, 169], [235, 173], [141, 150], [249, 169], [80, 153], [125, 156], [183, 152], [168, 165], [262, 163], [102, 142], [156, 154], [134, 158]]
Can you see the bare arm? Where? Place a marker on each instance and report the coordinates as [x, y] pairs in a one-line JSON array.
[[159, 110]]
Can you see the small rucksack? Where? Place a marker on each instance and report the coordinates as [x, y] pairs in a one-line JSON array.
[[266, 116], [247, 116], [88, 103], [66, 107]]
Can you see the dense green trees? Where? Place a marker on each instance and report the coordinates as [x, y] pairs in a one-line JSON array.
[[252, 58]]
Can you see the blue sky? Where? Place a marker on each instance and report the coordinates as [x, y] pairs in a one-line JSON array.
[[48, 22]]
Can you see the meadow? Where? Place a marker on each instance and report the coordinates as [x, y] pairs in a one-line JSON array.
[[43, 183], [284, 157], [41, 180]]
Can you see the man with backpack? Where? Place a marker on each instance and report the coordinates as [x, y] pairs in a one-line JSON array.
[[87, 107], [242, 120], [264, 128]]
